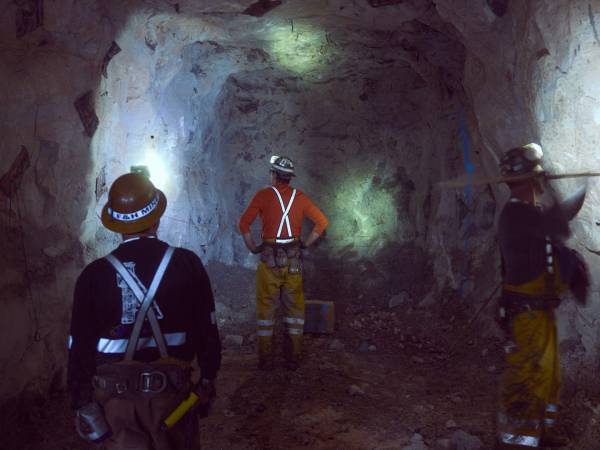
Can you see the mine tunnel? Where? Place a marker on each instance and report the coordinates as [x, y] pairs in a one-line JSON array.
[[377, 103]]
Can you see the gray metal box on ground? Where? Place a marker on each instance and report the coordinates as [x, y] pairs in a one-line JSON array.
[[319, 316]]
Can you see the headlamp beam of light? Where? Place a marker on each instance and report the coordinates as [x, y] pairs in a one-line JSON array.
[[154, 168], [298, 51]]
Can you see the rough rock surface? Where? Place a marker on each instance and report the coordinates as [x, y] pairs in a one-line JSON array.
[[530, 76], [373, 104]]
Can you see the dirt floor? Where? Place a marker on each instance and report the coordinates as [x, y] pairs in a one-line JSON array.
[[387, 380]]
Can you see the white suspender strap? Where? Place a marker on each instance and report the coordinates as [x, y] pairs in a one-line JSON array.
[[286, 211], [146, 297], [158, 312]]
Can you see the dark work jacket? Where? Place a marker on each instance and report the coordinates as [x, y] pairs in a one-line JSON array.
[[522, 232], [104, 312], [522, 239]]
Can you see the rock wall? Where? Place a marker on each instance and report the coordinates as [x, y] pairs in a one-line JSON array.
[[530, 76], [43, 72], [566, 108], [375, 105], [370, 114]]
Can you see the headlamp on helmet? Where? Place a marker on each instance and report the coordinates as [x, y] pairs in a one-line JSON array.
[[140, 169]]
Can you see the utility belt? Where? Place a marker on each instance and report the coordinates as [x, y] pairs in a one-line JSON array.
[[544, 285], [129, 380], [280, 254], [514, 303]]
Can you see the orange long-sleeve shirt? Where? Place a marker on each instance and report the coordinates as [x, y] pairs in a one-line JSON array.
[[266, 205]]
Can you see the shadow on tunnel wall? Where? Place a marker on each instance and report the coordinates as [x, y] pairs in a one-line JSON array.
[[369, 142], [366, 193], [349, 278]]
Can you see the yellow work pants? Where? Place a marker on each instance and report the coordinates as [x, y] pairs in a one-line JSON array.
[[530, 384], [272, 285]]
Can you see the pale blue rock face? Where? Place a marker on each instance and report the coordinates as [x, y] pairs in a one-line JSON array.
[[372, 104]]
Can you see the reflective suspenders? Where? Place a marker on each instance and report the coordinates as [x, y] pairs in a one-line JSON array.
[[146, 298], [285, 218], [550, 275]]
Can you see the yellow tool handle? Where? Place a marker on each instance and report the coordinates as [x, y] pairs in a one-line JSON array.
[[181, 410]]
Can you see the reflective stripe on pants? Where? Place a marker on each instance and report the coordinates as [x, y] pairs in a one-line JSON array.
[[522, 440], [272, 286]]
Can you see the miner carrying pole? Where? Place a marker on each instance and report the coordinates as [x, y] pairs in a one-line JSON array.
[[536, 268], [140, 315], [279, 274]]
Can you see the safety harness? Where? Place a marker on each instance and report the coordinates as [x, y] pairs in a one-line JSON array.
[[285, 217], [146, 298], [127, 379]]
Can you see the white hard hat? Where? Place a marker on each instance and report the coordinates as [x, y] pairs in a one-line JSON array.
[[283, 165]]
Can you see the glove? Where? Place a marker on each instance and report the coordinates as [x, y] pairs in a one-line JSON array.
[[258, 249], [206, 392], [91, 424]]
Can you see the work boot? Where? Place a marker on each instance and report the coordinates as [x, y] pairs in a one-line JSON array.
[[499, 445], [502, 446], [265, 363], [553, 439]]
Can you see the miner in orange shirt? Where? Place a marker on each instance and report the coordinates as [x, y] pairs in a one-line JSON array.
[[279, 274]]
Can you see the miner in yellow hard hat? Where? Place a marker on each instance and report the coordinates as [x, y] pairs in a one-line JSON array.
[[536, 268], [140, 316]]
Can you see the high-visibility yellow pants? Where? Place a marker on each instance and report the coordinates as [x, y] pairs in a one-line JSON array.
[[273, 285], [530, 384]]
